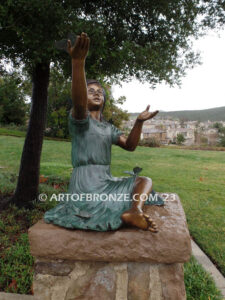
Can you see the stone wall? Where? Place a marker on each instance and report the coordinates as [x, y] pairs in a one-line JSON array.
[[58, 280]]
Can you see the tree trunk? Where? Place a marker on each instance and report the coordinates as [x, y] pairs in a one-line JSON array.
[[27, 186]]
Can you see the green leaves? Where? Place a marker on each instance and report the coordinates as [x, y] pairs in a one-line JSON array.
[[16, 267], [12, 99], [180, 138], [146, 39]]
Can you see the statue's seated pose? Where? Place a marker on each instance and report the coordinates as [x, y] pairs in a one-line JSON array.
[[92, 139]]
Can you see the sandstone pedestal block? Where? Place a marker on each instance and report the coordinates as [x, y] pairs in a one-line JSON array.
[[127, 264]]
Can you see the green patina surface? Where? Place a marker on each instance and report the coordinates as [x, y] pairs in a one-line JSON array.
[[95, 199]]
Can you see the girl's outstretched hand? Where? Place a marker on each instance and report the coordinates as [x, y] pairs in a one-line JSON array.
[[146, 115], [81, 46]]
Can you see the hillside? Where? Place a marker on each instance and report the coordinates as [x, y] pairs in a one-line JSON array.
[[212, 114]]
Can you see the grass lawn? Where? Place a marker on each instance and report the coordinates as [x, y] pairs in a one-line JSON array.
[[198, 177], [18, 133], [12, 132]]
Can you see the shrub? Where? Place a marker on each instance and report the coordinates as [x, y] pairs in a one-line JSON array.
[[149, 142], [180, 139]]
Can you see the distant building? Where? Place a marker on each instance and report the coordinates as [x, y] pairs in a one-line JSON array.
[[165, 131], [211, 135], [158, 134]]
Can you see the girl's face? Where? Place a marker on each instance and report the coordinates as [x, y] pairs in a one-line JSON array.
[[95, 96]]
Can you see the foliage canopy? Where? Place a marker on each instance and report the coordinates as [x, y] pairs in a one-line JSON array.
[[146, 39]]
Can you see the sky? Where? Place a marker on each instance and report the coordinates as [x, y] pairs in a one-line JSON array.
[[203, 87]]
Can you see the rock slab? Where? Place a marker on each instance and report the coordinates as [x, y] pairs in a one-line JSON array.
[[170, 245]]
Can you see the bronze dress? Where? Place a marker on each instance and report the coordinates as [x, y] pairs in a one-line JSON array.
[[96, 198]]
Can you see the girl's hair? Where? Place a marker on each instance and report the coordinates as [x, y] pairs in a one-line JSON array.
[[93, 81]]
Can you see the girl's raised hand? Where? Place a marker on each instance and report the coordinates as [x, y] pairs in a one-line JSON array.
[[81, 46]]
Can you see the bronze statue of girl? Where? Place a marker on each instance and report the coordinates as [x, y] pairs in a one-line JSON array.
[[92, 139]]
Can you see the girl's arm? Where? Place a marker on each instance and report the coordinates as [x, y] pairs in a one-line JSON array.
[[78, 54], [130, 143]]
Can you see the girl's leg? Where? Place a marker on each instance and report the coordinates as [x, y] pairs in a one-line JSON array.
[[135, 216]]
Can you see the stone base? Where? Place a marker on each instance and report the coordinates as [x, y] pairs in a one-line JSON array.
[[67, 280], [126, 264]]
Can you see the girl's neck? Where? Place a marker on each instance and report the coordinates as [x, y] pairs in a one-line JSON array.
[[96, 115]]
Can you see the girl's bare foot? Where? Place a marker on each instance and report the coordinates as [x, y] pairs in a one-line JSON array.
[[139, 219]]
